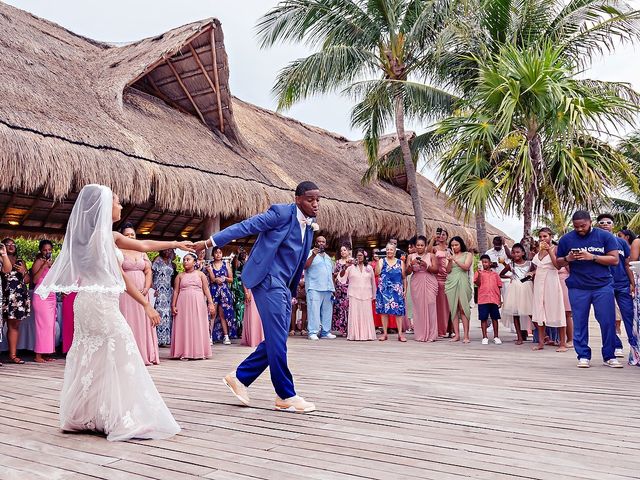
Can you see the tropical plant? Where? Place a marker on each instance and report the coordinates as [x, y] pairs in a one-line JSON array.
[[377, 51], [518, 67], [627, 210]]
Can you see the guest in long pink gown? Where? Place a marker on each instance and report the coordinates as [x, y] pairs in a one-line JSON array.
[[67, 321], [44, 310], [252, 333], [424, 292], [361, 290], [137, 268], [190, 334], [442, 303], [548, 303]]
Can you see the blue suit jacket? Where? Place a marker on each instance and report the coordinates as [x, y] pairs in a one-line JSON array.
[[274, 227]]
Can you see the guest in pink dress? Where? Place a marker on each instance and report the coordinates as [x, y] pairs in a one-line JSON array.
[[67, 320], [190, 334], [44, 310], [424, 292], [445, 326], [137, 268], [361, 291], [548, 304], [252, 333]]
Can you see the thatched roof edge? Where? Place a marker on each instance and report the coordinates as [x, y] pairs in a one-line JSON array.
[[34, 168]]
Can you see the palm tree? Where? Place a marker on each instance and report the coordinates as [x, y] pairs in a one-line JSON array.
[[627, 210], [377, 51], [517, 66]]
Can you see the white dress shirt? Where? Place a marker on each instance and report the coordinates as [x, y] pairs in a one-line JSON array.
[[303, 222]]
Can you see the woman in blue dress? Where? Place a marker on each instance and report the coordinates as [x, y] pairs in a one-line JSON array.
[[219, 273], [391, 296], [163, 271]]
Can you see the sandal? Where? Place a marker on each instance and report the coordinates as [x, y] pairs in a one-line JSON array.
[[401, 338], [383, 338], [16, 360]]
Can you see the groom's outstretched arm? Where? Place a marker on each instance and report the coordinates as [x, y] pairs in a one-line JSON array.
[[263, 222]]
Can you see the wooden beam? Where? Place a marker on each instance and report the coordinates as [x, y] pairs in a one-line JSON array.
[[195, 56], [186, 91], [8, 205], [145, 216], [166, 229], [164, 98], [159, 62], [32, 206], [126, 214], [216, 79]]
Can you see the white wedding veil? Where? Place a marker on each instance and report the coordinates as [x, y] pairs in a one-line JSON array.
[[88, 260]]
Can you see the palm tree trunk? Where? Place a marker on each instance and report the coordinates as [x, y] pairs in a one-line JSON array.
[[481, 231], [412, 181], [535, 154]]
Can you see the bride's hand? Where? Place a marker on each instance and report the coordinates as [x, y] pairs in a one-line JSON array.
[[187, 246], [153, 316]]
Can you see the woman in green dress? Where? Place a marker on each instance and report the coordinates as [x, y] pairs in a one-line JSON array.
[[458, 286], [237, 288]]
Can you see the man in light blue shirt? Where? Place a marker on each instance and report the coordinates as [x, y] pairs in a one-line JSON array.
[[318, 283]]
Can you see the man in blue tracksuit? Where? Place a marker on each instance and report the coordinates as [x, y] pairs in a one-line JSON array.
[[623, 283], [590, 253]]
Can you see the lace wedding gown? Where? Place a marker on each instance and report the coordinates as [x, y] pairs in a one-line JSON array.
[[107, 387]]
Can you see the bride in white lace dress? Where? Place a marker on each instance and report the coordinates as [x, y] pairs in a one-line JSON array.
[[107, 387]]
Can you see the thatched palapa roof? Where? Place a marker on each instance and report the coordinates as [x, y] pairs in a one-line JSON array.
[[156, 122]]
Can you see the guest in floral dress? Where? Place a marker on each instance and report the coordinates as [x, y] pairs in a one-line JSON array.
[[163, 270], [341, 303], [16, 303], [219, 273], [390, 296], [238, 290]]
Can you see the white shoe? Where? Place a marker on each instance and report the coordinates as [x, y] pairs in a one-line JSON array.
[[237, 388], [313, 336], [329, 336], [485, 341], [211, 342], [226, 340], [619, 353], [497, 341], [613, 363], [584, 363], [294, 404]]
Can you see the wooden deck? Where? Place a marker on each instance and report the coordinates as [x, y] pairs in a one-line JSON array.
[[386, 411]]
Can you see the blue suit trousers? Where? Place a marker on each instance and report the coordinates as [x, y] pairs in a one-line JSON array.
[[625, 304], [602, 300], [273, 301]]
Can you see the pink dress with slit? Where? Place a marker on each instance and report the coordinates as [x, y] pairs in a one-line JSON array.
[[133, 312]]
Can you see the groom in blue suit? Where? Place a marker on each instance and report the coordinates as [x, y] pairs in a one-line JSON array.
[[272, 272]]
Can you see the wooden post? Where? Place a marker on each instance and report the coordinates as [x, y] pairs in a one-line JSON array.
[[211, 226]]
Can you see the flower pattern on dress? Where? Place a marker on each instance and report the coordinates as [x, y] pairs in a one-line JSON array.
[[16, 302], [222, 297], [634, 352], [162, 275], [390, 292], [341, 303], [237, 290]]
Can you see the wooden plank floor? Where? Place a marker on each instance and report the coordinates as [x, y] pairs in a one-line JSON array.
[[386, 411]]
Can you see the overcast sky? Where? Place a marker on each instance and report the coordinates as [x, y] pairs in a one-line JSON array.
[[252, 71]]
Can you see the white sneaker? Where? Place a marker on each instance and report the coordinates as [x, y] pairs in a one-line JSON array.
[[295, 404], [619, 353], [584, 363], [313, 336], [497, 341], [613, 363], [485, 341], [329, 336], [225, 340]]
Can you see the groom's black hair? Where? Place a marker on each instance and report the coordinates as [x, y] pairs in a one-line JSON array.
[[304, 187]]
